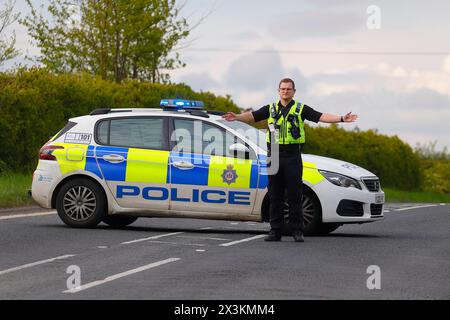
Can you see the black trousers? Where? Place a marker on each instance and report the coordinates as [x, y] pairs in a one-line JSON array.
[[289, 178]]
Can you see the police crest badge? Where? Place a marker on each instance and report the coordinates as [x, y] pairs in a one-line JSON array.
[[229, 175]]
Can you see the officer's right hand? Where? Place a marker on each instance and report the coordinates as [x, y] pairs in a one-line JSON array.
[[229, 116]]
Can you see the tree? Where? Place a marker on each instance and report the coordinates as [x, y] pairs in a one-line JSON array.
[[7, 46], [116, 39]]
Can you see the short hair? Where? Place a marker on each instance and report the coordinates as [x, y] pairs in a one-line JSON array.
[[287, 80]]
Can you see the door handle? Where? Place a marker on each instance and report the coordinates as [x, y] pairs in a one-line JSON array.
[[183, 165], [113, 158]]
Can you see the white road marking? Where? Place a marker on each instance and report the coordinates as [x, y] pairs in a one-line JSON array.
[[178, 243], [25, 215], [233, 223], [443, 204], [102, 247], [29, 265], [205, 228], [120, 275], [262, 228], [417, 207], [152, 238], [387, 210], [200, 250], [207, 238], [243, 240]]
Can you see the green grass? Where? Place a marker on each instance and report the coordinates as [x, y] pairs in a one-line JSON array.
[[13, 190], [393, 195]]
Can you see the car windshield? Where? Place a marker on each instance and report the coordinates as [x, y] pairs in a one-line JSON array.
[[251, 133]]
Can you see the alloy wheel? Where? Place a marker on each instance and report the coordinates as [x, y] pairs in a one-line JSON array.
[[79, 203]]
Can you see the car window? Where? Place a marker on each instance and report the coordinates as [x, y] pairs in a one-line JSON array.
[[257, 136], [68, 126], [195, 136], [103, 132], [132, 132]]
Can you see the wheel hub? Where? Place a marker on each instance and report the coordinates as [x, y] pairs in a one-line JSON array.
[[79, 203], [308, 210]]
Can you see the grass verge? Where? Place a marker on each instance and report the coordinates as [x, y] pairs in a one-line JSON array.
[[393, 195], [13, 190]]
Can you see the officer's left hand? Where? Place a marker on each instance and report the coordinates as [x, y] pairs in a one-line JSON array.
[[349, 117]]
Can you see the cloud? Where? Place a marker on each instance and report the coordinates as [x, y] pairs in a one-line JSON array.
[[317, 23], [255, 72], [410, 103], [199, 81], [407, 101], [416, 79], [447, 64], [420, 116], [245, 36], [253, 78], [381, 76]]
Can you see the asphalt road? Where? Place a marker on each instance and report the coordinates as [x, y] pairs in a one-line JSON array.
[[158, 258]]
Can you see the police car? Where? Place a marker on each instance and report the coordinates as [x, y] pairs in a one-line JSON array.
[[116, 165]]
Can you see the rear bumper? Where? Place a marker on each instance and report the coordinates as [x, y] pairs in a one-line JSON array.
[[45, 178]]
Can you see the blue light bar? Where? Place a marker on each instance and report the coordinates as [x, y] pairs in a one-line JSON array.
[[181, 104]]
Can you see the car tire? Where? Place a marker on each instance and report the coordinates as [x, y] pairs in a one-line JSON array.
[[116, 221], [312, 216], [81, 203]]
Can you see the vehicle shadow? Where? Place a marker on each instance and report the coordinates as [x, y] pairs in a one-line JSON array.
[[209, 230], [347, 235], [185, 229]]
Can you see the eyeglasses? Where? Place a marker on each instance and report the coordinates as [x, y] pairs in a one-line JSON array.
[[285, 89]]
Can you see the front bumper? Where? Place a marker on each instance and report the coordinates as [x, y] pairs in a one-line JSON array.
[[348, 205]]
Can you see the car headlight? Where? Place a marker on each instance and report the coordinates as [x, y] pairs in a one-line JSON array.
[[340, 180]]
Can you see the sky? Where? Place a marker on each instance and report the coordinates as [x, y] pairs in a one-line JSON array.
[[387, 61]]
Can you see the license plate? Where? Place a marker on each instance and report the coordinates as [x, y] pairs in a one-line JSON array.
[[379, 198]]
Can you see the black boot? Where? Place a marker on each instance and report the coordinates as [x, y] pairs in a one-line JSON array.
[[273, 236], [298, 236]]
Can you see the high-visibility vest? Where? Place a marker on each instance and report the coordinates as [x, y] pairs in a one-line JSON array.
[[283, 124]]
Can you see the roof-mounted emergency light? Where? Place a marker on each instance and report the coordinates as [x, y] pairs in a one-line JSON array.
[[181, 104]]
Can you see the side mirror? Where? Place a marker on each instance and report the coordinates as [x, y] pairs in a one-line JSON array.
[[239, 148]]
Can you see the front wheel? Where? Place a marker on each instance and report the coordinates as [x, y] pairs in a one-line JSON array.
[[81, 203], [312, 216]]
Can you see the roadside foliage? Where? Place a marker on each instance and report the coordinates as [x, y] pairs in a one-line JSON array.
[[35, 104], [393, 160], [436, 168]]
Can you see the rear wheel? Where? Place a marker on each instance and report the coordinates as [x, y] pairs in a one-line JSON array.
[[81, 203], [312, 216], [116, 221]]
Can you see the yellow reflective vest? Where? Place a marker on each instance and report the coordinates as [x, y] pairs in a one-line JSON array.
[[282, 125]]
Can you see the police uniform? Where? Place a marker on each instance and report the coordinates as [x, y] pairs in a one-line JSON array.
[[286, 125]]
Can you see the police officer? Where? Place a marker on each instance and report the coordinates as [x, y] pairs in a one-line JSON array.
[[285, 120]]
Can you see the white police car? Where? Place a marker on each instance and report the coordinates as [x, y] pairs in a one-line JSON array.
[[116, 165]]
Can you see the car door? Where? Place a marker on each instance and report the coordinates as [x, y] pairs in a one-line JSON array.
[[133, 158], [205, 175]]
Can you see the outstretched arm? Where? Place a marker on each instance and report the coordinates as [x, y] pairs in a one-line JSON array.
[[331, 118], [246, 117]]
